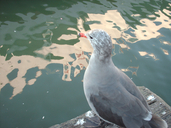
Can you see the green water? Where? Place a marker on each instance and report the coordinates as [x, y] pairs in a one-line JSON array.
[[42, 61]]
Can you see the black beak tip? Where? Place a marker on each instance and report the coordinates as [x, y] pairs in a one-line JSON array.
[[79, 35]]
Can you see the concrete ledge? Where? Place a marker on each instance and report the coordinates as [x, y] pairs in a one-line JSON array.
[[90, 120]]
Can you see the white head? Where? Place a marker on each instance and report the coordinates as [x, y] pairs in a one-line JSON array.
[[100, 41]]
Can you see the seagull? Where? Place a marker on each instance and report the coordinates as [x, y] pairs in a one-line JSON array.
[[110, 93]]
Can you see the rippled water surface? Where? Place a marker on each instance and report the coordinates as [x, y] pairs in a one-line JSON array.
[[42, 61]]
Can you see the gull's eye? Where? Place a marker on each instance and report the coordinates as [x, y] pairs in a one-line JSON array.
[[91, 37]]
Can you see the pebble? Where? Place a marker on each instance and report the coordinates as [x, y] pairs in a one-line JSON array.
[[89, 114], [43, 117], [80, 122], [163, 112], [151, 97]]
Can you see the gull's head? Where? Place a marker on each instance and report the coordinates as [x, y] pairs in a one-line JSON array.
[[100, 41]]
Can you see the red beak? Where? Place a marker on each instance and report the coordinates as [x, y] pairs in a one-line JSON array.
[[82, 35]]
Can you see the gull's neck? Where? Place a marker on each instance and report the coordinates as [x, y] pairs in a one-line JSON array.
[[100, 59]]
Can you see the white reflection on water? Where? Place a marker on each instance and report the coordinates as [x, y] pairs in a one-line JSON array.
[[131, 69], [150, 29], [165, 51], [143, 53], [112, 22], [27, 62]]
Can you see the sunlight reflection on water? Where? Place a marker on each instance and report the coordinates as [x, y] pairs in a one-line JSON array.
[[114, 25]]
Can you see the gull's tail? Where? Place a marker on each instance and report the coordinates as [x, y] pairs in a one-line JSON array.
[[157, 122]]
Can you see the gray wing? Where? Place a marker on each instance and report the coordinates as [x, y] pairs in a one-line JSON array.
[[129, 85], [118, 106]]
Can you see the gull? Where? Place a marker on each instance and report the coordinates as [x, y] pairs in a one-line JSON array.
[[110, 93]]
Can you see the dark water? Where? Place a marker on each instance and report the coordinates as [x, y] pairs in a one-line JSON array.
[[42, 61]]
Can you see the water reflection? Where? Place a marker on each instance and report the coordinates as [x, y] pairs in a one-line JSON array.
[[112, 21], [131, 69], [165, 51], [165, 42], [22, 64], [143, 53]]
